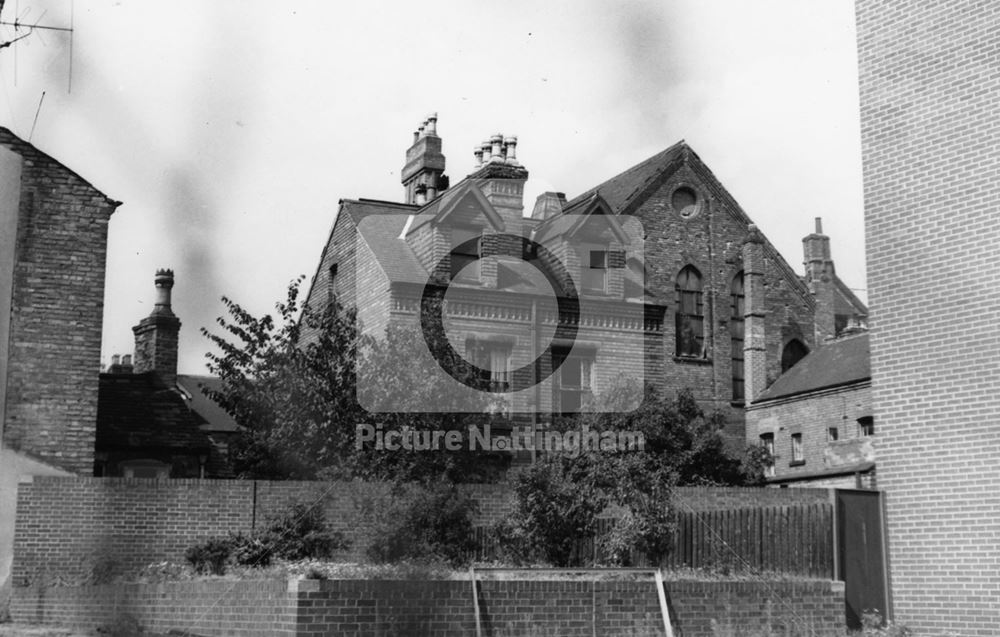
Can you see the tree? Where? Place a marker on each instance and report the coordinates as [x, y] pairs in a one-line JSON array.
[[292, 383]]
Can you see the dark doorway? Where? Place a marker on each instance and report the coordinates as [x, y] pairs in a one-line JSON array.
[[861, 554]]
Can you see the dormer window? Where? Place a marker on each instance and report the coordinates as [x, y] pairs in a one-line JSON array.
[[465, 254], [595, 270]]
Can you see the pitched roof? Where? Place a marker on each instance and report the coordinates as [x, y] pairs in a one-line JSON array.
[[622, 188], [380, 225], [138, 411], [26, 149], [208, 414], [840, 362]]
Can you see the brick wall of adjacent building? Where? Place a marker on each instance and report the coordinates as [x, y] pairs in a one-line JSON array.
[[812, 415], [930, 94], [57, 309], [311, 608], [68, 529]]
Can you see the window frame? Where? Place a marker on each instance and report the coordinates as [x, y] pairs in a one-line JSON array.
[[465, 259], [767, 441], [798, 457], [585, 387], [737, 336], [689, 294]]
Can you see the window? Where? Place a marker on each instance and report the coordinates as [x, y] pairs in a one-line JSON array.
[[797, 457], [866, 426], [737, 310], [595, 272], [832, 434], [690, 324], [767, 441], [465, 252], [145, 469], [574, 381], [795, 350], [495, 358], [331, 286]]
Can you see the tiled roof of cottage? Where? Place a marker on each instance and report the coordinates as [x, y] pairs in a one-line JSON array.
[[837, 363], [138, 411], [208, 414]]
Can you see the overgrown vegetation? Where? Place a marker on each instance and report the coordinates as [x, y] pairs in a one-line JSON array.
[[297, 532], [559, 500]]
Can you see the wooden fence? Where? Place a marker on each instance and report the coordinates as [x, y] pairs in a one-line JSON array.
[[795, 540]]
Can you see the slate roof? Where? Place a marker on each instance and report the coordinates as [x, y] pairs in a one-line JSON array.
[[622, 188], [138, 411], [841, 362], [208, 414], [380, 224]]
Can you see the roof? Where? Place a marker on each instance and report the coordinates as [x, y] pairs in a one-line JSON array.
[[138, 411], [622, 188], [208, 414], [840, 362], [845, 301], [380, 225], [25, 149]]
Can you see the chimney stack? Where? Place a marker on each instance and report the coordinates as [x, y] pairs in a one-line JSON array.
[[423, 175], [156, 335], [548, 205], [819, 277], [501, 179]]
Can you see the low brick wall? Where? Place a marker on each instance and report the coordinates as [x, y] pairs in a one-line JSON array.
[[69, 530], [313, 608]]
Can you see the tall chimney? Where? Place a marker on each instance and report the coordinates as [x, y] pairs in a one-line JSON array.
[[819, 278], [424, 167], [156, 335], [501, 179], [754, 341]]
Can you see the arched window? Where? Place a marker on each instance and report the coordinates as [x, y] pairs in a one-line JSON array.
[[690, 322], [737, 308], [794, 351]]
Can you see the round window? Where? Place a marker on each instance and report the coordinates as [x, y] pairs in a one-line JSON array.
[[685, 202]]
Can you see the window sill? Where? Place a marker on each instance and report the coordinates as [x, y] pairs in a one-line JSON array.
[[737, 403], [690, 360], [797, 463]]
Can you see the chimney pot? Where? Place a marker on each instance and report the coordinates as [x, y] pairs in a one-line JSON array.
[[431, 124], [127, 359], [496, 153], [477, 152], [487, 150], [116, 360], [819, 225], [164, 281], [510, 149]]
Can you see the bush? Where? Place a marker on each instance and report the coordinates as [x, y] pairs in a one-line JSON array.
[[427, 524], [557, 504], [296, 533], [211, 556]]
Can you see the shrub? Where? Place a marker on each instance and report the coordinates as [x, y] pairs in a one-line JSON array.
[[210, 556], [557, 506], [300, 532], [427, 524]]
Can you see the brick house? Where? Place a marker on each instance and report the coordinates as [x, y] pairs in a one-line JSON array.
[[53, 244], [709, 305], [152, 422], [817, 419]]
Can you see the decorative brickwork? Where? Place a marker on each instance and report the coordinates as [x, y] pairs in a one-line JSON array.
[[57, 305], [930, 94], [312, 608]]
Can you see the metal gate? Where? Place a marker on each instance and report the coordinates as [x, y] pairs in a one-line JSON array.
[[861, 554]]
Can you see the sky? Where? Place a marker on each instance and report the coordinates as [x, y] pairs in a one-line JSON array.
[[230, 129]]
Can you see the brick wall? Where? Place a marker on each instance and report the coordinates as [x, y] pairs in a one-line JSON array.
[[70, 528], [312, 608], [930, 93], [812, 415], [57, 310]]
